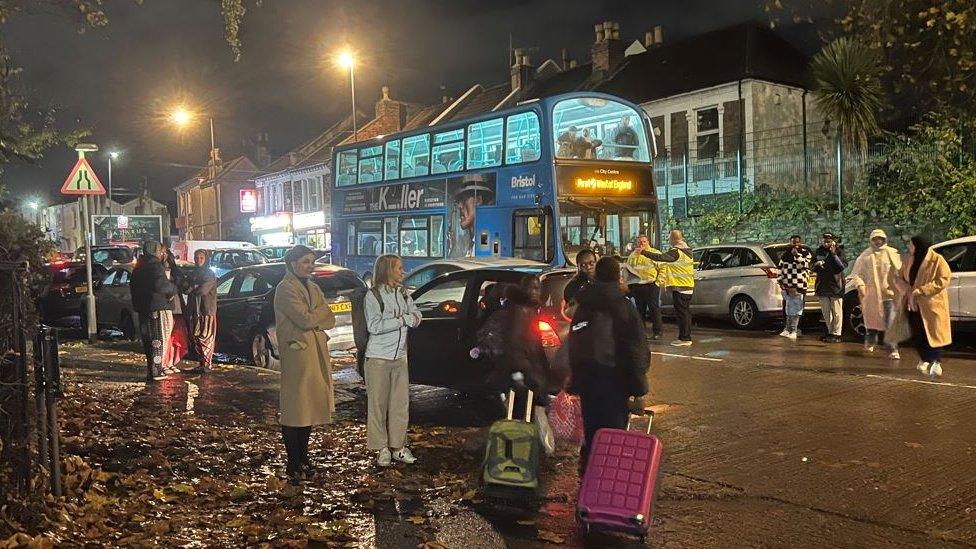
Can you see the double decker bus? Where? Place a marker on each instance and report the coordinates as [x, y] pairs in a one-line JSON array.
[[539, 181]]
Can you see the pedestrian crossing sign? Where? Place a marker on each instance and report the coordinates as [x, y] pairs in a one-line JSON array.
[[82, 180]]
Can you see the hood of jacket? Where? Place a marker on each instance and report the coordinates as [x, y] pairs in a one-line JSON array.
[[600, 295]]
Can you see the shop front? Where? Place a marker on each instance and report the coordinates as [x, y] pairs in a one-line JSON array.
[[312, 230], [273, 230]]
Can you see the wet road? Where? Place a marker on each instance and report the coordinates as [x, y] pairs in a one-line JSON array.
[[767, 442]]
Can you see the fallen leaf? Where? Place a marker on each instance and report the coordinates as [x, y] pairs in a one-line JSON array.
[[416, 520], [551, 537]]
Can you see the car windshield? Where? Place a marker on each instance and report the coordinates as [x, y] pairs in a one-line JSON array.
[[775, 251]]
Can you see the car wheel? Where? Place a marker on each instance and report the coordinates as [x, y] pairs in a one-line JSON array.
[[261, 355], [854, 317], [128, 326], [744, 313]]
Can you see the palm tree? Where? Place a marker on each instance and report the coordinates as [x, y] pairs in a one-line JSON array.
[[847, 88]]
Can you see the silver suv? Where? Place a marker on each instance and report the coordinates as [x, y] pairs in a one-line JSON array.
[[739, 281]]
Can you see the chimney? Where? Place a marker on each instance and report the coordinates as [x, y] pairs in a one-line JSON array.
[[565, 59], [654, 37], [607, 52], [522, 70], [261, 154], [390, 114], [572, 63]]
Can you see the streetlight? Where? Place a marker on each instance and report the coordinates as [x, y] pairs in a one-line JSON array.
[[181, 117], [346, 59], [33, 205], [113, 155]]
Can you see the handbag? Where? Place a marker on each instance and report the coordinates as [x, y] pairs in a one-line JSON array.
[[566, 418], [899, 330]]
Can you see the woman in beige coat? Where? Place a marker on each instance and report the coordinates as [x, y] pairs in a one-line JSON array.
[[875, 275], [925, 280], [301, 318]]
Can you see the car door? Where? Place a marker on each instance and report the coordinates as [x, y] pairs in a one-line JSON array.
[[106, 310], [434, 345], [712, 280], [227, 323], [962, 284], [245, 308]]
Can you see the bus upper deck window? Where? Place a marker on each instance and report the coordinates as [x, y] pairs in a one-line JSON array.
[[392, 160], [485, 144], [522, 138], [597, 128], [416, 155], [346, 168]]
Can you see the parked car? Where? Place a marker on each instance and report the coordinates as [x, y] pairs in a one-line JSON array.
[[245, 309], [223, 260], [276, 253], [61, 296], [109, 256], [184, 249], [960, 254], [429, 271], [739, 281], [453, 312]]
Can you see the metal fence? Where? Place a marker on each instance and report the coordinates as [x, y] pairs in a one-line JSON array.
[[15, 454]]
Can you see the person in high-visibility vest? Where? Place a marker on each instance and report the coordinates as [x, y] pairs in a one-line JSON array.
[[646, 283], [680, 279]]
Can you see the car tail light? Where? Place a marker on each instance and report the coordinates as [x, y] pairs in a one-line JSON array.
[[770, 272], [547, 334], [323, 273]]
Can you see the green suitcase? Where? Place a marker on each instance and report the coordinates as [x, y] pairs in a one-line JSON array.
[[512, 454]]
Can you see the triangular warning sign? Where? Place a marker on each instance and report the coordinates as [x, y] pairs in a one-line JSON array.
[[82, 180]]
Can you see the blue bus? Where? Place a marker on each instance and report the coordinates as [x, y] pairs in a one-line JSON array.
[[540, 181]]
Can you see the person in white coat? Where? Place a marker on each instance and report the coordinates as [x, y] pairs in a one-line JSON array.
[[874, 275], [386, 373]]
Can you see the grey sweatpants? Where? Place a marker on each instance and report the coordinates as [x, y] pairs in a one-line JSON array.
[[387, 403], [833, 313]]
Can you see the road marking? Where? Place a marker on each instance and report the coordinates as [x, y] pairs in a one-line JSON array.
[[708, 358], [922, 381]]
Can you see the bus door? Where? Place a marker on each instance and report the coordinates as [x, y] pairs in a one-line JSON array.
[[493, 233], [532, 234]]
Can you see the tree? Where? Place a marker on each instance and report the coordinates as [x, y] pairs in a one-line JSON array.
[[847, 90], [927, 48]]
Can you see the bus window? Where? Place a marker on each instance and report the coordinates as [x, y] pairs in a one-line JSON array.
[[416, 156], [390, 235], [522, 138], [365, 237], [414, 237], [437, 236], [448, 152], [392, 163], [346, 170], [485, 144], [370, 164], [596, 128], [531, 238]]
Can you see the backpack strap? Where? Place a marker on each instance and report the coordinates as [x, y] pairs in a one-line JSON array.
[[379, 298]]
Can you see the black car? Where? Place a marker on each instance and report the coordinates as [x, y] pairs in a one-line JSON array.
[[107, 256], [453, 312], [245, 309], [64, 289]]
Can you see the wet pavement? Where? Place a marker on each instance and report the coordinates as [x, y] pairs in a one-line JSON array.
[[768, 442]]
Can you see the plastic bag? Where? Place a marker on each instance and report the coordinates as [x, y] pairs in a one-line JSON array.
[[566, 418]]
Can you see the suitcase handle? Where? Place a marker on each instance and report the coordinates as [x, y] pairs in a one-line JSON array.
[[647, 413], [511, 405]]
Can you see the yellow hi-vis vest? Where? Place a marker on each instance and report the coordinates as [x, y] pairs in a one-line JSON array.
[[646, 269], [681, 273]]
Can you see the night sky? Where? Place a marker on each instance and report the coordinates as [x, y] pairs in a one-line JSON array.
[[120, 80]]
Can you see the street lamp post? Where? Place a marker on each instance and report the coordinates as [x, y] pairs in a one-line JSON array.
[[180, 116], [114, 155], [348, 60]]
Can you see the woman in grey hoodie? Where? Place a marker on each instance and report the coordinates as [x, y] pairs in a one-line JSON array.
[[387, 378]]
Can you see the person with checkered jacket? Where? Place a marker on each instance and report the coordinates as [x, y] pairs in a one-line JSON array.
[[794, 275]]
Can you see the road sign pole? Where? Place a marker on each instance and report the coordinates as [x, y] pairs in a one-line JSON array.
[[92, 321]]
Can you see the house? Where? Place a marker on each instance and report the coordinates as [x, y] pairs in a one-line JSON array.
[[208, 204]]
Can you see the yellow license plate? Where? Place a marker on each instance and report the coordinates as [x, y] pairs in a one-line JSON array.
[[343, 307], [812, 280], [81, 289]]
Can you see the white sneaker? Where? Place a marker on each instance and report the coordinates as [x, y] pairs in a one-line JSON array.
[[404, 455], [922, 367], [936, 369], [384, 459], [894, 355], [869, 348], [785, 333], [680, 343], [791, 335]]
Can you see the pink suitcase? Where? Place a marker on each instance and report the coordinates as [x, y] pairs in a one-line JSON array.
[[620, 483]]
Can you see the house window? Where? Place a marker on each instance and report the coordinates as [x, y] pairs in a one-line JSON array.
[[299, 195], [286, 202], [707, 132], [274, 204], [315, 193]]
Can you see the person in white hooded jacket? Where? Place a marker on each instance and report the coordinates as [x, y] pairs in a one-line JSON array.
[[874, 275], [386, 373]]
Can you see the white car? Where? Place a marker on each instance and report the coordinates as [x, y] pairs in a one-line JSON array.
[[429, 271], [960, 254]]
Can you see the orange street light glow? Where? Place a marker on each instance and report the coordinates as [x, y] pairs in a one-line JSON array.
[[180, 116], [346, 59]]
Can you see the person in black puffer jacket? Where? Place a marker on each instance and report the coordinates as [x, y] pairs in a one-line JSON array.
[[607, 353], [510, 341], [152, 295]]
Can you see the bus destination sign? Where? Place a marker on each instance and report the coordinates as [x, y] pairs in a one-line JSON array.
[[604, 180]]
